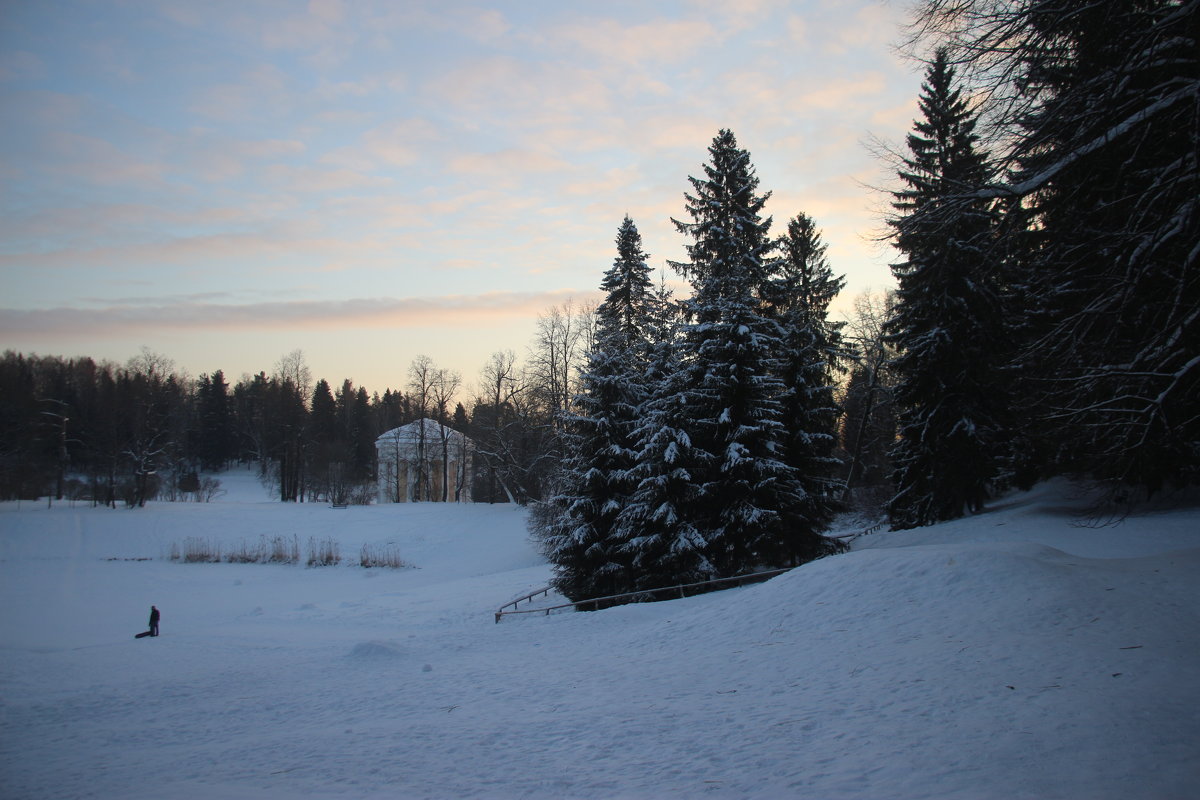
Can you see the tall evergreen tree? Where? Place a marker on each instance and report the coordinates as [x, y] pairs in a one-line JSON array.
[[813, 350], [730, 385], [323, 423], [22, 461], [947, 322], [326, 449], [578, 522], [217, 443], [658, 524], [362, 434]]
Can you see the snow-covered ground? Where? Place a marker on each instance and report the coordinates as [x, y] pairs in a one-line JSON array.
[[1015, 654]]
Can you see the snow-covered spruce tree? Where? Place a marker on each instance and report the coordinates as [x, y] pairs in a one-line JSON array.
[[577, 523], [798, 298], [730, 387], [948, 322], [658, 524]]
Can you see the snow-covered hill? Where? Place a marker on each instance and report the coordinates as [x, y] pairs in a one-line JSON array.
[[1013, 654]]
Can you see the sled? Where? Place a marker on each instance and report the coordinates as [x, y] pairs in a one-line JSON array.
[[141, 635]]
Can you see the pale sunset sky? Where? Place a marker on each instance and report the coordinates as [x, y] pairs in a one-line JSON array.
[[370, 180]]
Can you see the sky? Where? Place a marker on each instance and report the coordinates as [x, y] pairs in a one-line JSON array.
[[227, 182]]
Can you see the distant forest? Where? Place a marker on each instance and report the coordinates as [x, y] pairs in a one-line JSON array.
[[123, 434]]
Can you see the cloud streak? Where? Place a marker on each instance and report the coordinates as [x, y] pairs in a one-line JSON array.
[[195, 314]]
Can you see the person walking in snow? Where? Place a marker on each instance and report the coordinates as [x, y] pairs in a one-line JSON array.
[[154, 621]]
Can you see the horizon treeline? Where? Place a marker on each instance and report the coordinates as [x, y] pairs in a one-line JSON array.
[[122, 434], [78, 429]]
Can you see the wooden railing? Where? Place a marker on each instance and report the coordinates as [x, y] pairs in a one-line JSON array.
[[850, 537], [524, 598], [594, 602]]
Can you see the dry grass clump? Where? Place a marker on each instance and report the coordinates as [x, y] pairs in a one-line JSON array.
[[196, 550], [283, 550], [383, 555], [273, 550], [323, 554]]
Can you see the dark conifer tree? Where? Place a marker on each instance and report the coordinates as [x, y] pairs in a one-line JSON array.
[[288, 439], [199, 443], [813, 351], [250, 401], [361, 434], [219, 436], [658, 524], [729, 361], [1111, 166], [21, 455], [391, 411], [1096, 109], [947, 324], [323, 418], [326, 449], [460, 422], [577, 523]]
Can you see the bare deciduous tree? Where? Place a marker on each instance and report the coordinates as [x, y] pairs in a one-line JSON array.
[[560, 344], [420, 388], [869, 389], [500, 385], [292, 385], [443, 388]]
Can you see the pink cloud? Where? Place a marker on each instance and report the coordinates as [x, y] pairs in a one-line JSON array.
[[260, 89], [101, 223], [840, 92], [618, 179], [737, 14], [509, 162], [480, 25], [682, 132], [214, 158], [655, 41], [97, 161], [263, 248], [319, 32], [173, 315], [397, 144], [522, 93], [309, 179]]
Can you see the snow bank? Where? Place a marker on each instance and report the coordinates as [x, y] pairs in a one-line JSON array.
[[1014, 654]]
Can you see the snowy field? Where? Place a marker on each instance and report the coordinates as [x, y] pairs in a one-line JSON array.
[[1016, 654]]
